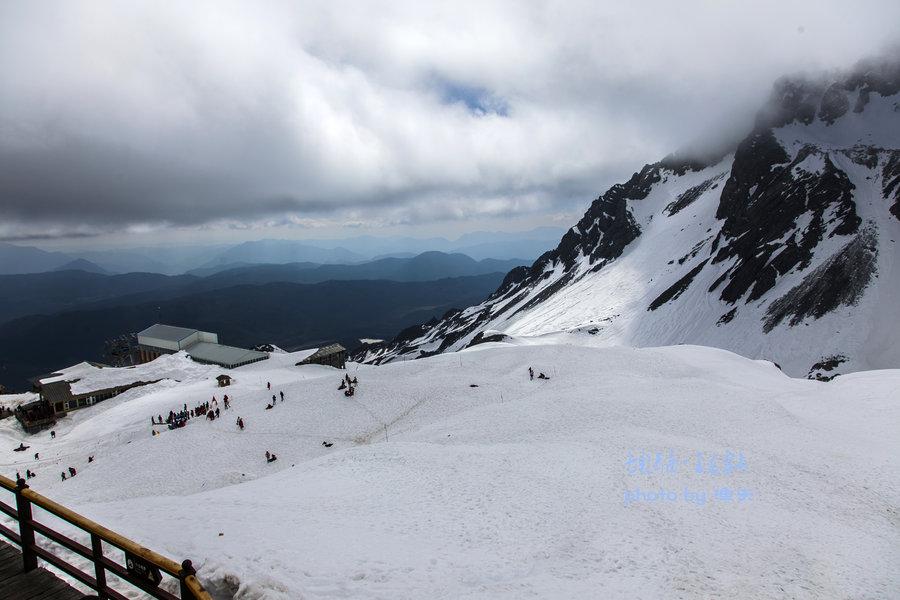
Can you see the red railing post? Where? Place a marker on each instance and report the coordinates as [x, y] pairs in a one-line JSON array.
[[26, 528]]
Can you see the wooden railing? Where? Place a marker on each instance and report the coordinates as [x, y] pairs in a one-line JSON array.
[[143, 568]]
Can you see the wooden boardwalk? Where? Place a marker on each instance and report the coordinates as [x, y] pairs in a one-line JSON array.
[[39, 584]]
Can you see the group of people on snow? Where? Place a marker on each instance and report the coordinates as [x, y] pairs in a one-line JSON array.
[[274, 399], [348, 385], [531, 374], [178, 419]]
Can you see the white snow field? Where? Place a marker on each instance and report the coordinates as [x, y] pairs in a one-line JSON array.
[[437, 489]]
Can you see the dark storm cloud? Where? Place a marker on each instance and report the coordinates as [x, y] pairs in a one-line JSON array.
[[127, 115]]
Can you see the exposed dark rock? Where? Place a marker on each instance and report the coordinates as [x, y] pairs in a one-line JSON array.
[[866, 156], [680, 163], [755, 167], [727, 317], [761, 203], [880, 75], [687, 197], [802, 98], [827, 364], [693, 253], [414, 331], [677, 288], [484, 339], [513, 278], [601, 235], [450, 314], [835, 103], [792, 99], [839, 281], [890, 177], [861, 101]]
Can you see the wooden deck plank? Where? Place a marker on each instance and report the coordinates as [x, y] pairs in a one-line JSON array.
[[39, 584]]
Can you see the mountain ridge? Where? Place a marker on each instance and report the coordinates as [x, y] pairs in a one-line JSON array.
[[782, 248]]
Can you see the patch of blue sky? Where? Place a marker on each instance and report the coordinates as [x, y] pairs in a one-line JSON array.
[[478, 100]]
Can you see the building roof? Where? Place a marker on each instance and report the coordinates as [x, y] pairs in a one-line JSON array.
[[322, 352], [73, 373], [167, 332], [227, 356], [56, 391]]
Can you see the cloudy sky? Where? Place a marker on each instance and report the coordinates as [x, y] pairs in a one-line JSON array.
[[147, 121]]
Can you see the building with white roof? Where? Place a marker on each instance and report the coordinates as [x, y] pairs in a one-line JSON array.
[[202, 346]]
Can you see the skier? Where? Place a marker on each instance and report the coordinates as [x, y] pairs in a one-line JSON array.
[[282, 396], [531, 373], [52, 435], [72, 471], [63, 475], [268, 385]]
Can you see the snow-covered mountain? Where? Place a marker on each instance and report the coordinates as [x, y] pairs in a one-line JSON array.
[[783, 247]]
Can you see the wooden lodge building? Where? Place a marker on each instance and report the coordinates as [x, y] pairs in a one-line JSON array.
[[334, 355], [56, 396]]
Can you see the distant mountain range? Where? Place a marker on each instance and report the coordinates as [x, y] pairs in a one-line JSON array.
[[53, 319], [204, 260]]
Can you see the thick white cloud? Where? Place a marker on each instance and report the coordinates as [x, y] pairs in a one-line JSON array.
[[141, 114]]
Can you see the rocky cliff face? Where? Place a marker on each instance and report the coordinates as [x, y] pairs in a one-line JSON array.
[[783, 249]]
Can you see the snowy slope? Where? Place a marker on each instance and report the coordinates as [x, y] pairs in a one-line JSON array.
[[783, 249], [457, 476]]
